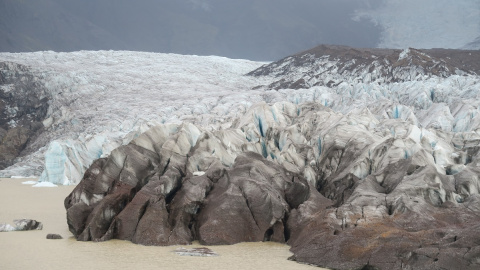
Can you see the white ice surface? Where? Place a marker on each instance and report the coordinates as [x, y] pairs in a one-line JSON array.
[[44, 184], [29, 182]]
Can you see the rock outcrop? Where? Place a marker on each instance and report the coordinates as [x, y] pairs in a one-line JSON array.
[[23, 107], [164, 204], [345, 191]]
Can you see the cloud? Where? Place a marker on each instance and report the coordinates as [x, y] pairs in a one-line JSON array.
[[425, 23], [200, 4]]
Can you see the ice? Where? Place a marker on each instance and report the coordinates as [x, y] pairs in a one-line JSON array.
[[55, 159], [67, 160], [29, 183], [404, 54], [44, 184], [6, 227]]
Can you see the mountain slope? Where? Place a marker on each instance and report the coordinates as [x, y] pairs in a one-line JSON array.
[[328, 65]]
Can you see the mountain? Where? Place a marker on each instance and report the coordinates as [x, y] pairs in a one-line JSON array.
[[329, 65]]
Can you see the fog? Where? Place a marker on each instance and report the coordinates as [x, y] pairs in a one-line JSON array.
[[248, 29]]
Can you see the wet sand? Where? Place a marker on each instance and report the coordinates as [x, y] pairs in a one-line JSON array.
[[31, 249]]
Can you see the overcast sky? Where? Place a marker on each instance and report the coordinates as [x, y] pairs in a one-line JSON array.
[[251, 29]]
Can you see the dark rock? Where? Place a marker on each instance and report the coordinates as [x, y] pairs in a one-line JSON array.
[[54, 236], [150, 199], [23, 107], [13, 142], [251, 200]]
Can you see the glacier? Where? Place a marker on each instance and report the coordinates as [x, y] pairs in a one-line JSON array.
[[100, 100]]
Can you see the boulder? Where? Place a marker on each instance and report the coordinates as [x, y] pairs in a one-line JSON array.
[[54, 236]]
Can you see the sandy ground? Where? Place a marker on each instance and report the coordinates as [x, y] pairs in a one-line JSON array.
[[31, 249]]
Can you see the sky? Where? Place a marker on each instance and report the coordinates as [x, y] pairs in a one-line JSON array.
[[264, 30]]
